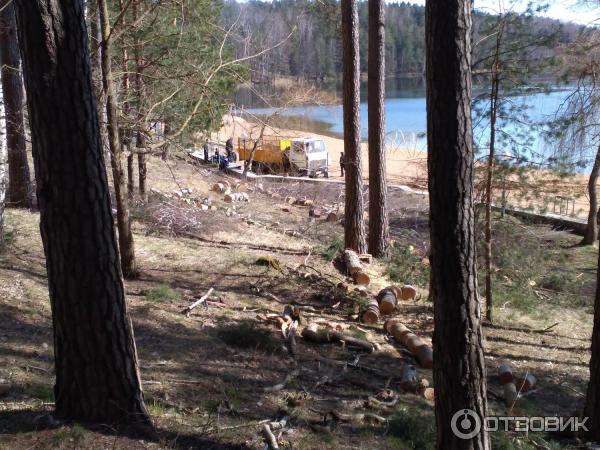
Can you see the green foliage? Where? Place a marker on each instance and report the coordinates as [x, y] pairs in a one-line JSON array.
[[161, 294], [406, 267], [534, 268], [412, 429], [187, 73], [313, 52], [331, 251], [42, 392]]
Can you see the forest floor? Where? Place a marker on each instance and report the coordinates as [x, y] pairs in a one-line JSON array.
[[211, 377]]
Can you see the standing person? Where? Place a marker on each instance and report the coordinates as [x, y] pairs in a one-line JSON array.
[[229, 148], [342, 163], [217, 156], [205, 148]]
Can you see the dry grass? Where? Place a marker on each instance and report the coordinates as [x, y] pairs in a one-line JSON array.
[[210, 370]]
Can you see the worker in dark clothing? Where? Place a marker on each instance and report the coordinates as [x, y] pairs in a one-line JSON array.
[[205, 148], [229, 148], [342, 163], [217, 157]]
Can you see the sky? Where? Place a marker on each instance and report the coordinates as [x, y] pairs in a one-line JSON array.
[[566, 10]]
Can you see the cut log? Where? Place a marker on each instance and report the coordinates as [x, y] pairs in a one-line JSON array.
[[366, 258], [290, 200], [408, 292], [409, 382], [371, 312], [332, 217], [505, 374], [236, 197], [427, 393], [510, 394], [313, 333], [270, 437], [387, 300], [411, 341], [352, 262], [526, 383], [361, 278]]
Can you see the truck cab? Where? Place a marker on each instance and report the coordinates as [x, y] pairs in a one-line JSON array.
[[308, 156]]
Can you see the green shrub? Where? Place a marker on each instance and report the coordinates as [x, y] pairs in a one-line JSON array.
[[407, 267], [161, 294]]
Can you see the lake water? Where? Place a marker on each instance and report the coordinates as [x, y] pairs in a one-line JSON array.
[[406, 125]]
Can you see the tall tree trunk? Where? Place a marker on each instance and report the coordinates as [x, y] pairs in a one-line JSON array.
[[459, 367], [126, 131], [19, 181], [3, 175], [139, 89], [126, 245], [379, 233], [591, 231], [592, 404], [354, 227], [97, 377], [488, 197]]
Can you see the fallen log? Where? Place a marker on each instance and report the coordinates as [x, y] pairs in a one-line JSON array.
[[354, 268], [371, 312], [353, 264], [313, 333], [201, 300], [411, 341], [387, 299]]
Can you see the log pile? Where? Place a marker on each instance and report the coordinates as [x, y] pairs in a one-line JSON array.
[[419, 348], [384, 303], [236, 197], [355, 269], [512, 386]]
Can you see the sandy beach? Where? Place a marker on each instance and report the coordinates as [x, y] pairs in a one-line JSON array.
[[544, 191]]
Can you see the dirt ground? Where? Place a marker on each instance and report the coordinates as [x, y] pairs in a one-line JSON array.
[[210, 378]]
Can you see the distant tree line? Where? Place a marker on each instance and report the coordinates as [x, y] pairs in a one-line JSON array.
[[314, 51]]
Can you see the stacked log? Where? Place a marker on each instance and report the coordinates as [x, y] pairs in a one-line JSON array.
[[411, 341], [354, 268]]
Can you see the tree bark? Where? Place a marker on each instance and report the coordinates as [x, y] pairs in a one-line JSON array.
[[379, 233], [139, 91], [591, 231], [354, 228], [488, 196], [19, 180], [97, 377], [126, 245], [3, 176], [592, 404], [459, 367]]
